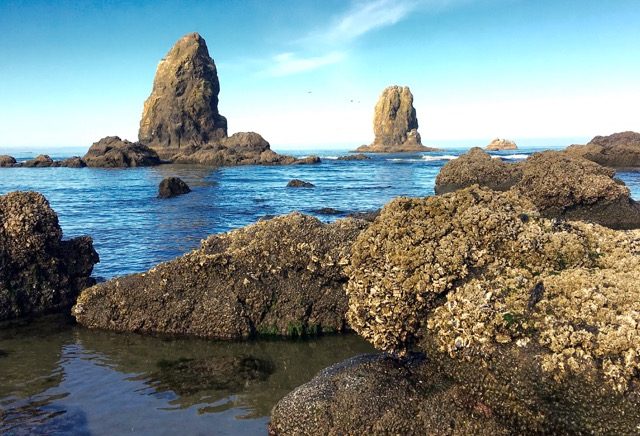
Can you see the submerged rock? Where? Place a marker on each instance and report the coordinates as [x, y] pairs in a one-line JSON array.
[[395, 124], [376, 394], [536, 316], [182, 109], [276, 277], [501, 144], [297, 183], [620, 150], [40, 272], [113, 152], [7, 161], [172, 187], [40, 161], [558, 184], [357, 156]]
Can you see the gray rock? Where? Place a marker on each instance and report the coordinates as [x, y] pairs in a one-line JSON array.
[[172, 187]]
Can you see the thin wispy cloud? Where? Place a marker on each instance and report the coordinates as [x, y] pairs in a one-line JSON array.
[[360, 18], [288, 63]]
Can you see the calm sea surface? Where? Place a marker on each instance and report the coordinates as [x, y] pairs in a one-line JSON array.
[[58, 378]]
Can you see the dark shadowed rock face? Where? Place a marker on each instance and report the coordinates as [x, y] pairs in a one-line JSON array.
[[73, 162], [297, 183], [40, 161], [559, 184], [39, 272], [536, 316], [395, 124], [172, 187], [7, 161], [376, 394], [357, 156], [620, 150], [277, 277], [113, 152], [182, 109]]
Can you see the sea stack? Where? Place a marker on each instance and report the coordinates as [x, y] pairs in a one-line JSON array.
[[501, 144], [395, 124], [182, 109]]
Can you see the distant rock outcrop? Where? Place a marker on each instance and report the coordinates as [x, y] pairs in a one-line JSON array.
[[501, 144], [113, 152], [559, 185], [39, 272], [395, 124], [7, 161], [282, 276], [358, 156], [40, 161], [620, 150], [182, 109], [172, 187], [72, 162], [297, 183]]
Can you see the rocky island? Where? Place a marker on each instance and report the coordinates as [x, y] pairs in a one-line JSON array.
[[395, 124], [501, 144]]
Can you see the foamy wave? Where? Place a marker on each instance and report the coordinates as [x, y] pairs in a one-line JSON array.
[[398, 159], [514, 156], [329, 157], [443, 157]]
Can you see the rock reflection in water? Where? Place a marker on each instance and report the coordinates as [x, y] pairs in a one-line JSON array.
[[59, 378]]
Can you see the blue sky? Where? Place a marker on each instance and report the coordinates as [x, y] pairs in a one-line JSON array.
[[307, 74]]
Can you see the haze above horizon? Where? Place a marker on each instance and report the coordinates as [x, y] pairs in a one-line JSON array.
[[307, 74]]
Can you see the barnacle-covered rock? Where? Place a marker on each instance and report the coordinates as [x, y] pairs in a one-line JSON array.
[[560, 185], [39, 272], [619, 150], [282, 276], [539, 316], [376, 394]]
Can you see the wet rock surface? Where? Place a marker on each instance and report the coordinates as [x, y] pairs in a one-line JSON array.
[[560, 185], [182, 109], [7, 161], [40, 272], [501, 144], [172, 187], [536, 316], [357, 156], [395, 124], [282, 276], [113, 152], [72, 162], [297, 183], [376, 394], [619, 150]]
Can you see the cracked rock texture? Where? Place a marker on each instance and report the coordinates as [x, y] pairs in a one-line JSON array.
[[538, 317], [39, 272], [560, 185], [113, 152], [282, 276]]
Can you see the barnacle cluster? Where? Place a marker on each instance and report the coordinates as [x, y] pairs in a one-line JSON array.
[[479, 270]]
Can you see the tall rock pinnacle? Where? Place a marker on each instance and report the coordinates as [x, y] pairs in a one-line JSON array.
[[395, 123], [182, 109]]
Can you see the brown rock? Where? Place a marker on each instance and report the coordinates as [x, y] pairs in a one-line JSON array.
[[376, 394], [501, 144], [113, 152], [182, 109], [559, 185], [40, 161], [277, 277], [358, 156], [73, 162], [535, 316], [395, 124], [620, 150], [172, 187], [297, 183], [40, 272], [7, 161]]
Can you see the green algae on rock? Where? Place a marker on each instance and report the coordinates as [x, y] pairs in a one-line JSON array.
[[282, 276], [540, 317], [40, 273]]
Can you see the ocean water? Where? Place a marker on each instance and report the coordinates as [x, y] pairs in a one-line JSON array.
[[59, 378]]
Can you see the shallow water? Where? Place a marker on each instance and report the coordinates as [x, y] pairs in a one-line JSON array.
[[57, 378]]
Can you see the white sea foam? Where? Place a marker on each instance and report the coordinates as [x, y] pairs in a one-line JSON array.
[[514, 156], [443, 157]]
